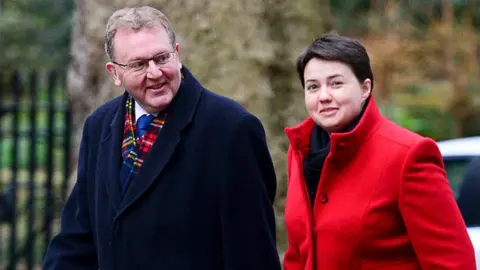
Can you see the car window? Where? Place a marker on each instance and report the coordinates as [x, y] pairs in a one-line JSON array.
[[455, 168]]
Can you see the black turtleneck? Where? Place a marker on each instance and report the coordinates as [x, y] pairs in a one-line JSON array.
[[319, 149]]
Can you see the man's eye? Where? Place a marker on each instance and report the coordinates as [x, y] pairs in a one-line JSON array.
[[162, 58], [136, 65]]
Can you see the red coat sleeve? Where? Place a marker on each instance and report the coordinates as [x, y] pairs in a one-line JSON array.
[[431, 215]]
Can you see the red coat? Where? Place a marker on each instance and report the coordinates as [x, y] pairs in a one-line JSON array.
[[383, 202]]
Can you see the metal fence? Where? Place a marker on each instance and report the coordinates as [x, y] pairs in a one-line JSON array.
[[35, 140]]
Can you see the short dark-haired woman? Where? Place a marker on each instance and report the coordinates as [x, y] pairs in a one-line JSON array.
[[363, 192]]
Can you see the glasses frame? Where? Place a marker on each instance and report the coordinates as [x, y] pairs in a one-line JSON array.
[[126, 66]]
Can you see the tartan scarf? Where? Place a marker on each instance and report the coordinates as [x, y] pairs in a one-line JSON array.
[[134, 150]]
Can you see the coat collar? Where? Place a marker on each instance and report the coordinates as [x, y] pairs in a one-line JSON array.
[[299, 136], [181, 112]]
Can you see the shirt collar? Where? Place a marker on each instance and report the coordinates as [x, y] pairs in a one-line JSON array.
[[139, 111]]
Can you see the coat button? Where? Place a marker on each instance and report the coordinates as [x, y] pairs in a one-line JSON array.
[[323, 198], [341, 146]]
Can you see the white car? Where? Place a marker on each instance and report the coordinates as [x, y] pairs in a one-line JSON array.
[[457, 155]]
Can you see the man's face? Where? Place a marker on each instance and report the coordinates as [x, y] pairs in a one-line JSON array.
[[152, 75]]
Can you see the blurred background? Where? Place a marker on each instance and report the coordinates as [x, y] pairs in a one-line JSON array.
[[425, 55]]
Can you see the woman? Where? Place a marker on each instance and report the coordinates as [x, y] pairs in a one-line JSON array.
[[363, 192]]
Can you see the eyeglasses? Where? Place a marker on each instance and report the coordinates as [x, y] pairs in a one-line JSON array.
[[142, 65]]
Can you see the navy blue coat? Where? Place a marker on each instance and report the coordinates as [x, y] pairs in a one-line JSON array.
[[469, 199], [202, 199]]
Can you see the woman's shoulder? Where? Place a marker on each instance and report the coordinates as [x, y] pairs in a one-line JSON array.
[[404, 147], [392, 134]]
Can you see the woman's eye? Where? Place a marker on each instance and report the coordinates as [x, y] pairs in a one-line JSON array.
[[312, 87], [337, 83]]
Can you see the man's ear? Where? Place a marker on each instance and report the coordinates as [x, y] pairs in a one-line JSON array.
[[366, 88], [113, 73], [177, 49]]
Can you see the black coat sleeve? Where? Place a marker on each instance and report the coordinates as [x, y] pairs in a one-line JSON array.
[[469, 198], [248, 187], [73, 248]]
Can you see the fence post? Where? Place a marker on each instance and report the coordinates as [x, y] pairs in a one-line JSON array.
[[32, 166], [49, 199], [67, 142], [17, 88], [2, 211]]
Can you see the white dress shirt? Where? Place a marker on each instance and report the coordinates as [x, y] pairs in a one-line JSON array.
[[139, 111]]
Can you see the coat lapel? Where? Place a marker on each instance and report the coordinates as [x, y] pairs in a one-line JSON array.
[[111, 157], [180, 114]]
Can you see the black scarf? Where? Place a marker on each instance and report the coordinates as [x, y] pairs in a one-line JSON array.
[[319, 149]]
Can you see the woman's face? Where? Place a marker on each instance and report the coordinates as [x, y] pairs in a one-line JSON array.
[[333, 95]]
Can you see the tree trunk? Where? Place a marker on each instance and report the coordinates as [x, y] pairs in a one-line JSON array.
[[460, 106]]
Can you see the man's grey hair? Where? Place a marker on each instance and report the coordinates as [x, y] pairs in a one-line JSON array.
[[135, 18]]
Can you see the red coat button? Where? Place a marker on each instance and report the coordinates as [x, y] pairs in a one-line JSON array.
[[323, 198], [341, 146]]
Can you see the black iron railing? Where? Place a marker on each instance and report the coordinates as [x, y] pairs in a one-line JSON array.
[[35, 143]]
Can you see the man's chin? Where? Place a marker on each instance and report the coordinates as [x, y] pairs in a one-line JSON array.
[[160, 104]]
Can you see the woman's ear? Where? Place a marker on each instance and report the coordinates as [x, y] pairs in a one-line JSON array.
[[366, 88]]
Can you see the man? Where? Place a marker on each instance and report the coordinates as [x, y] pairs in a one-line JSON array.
[[469, 199], [170, 175]]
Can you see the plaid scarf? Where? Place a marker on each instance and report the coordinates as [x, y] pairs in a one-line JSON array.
[[134, 150]]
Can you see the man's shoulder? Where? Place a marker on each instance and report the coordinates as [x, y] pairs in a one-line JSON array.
[[108, 106], [222, 107], [100, 114]]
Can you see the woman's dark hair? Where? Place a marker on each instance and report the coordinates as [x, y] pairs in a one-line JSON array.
[[334, 47]]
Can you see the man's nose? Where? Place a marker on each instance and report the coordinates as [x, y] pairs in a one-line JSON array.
[[153, 71]]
